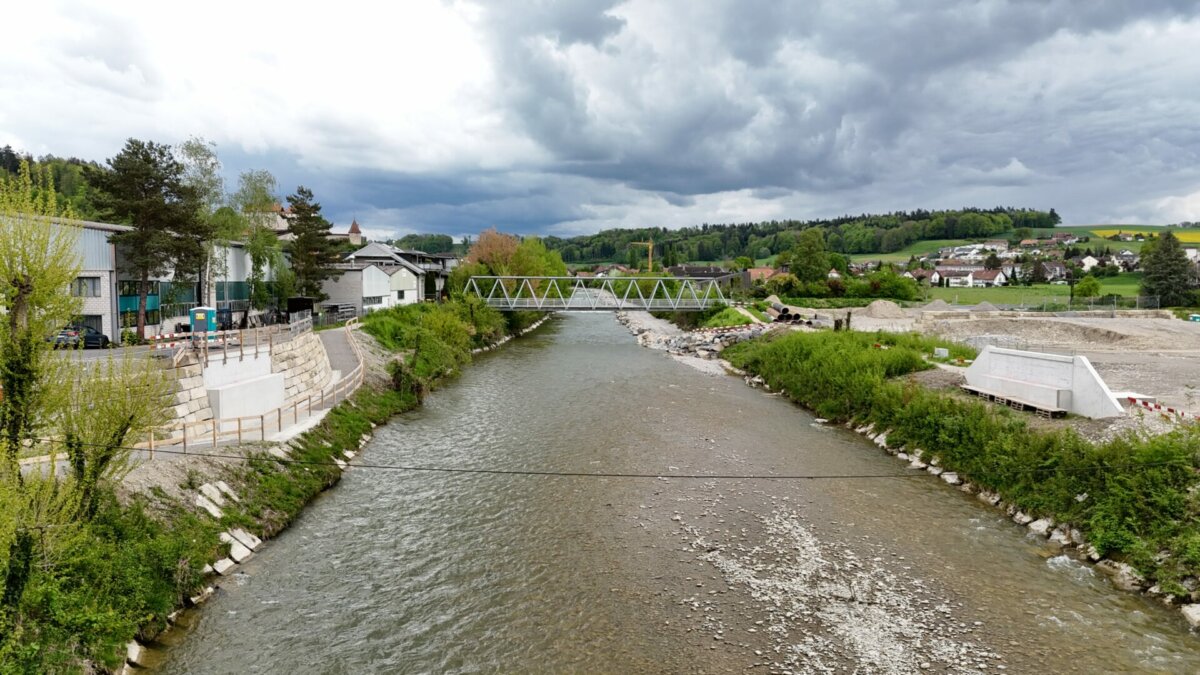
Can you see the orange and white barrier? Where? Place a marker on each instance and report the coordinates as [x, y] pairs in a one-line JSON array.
[[1165, 411]]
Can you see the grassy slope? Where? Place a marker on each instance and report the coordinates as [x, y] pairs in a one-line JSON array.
[[917, 248]]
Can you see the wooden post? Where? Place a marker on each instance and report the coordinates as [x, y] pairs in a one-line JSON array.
[[279, 410], [241, 345], [185, 438], [151, 444], [262, 426], [239, 425], [215, 424], [295, 416]]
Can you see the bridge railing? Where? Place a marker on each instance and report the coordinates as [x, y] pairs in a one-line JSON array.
[[678, 294]]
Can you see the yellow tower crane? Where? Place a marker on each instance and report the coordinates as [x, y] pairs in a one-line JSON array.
[[649, 251]]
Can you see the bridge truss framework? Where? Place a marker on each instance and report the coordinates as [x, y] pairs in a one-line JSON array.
[[607, 294]]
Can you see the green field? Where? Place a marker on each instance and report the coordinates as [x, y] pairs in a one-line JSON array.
[[917, 248], [1122, 284]]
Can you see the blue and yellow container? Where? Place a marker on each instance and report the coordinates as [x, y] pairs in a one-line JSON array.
[[204, 320]]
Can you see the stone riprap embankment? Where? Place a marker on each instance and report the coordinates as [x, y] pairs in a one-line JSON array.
[[705, 343]]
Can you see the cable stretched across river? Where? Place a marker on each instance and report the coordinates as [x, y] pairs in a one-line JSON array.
[[613, 474]]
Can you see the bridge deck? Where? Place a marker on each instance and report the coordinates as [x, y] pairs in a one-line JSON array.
[[575, 294]]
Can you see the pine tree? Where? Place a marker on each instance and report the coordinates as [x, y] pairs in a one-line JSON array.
[[145, 188], [313, 252], [1168, 273]]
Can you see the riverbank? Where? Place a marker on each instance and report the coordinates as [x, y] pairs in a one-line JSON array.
[[1123, 504], [173, 531]]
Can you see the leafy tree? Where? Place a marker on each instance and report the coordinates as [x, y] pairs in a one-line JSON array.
[[313, 253], [255, 204], [38, 261], [145, 188], [1168, 273], [495, 250], [992, 262], [809, 262], [743, 262], [1088, 287], [202, 173]]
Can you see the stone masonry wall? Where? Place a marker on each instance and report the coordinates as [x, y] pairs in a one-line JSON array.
[[305, 366]]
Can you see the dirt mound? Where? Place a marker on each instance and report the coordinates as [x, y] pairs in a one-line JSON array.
[[884, 309], [1026, 333], [986, 306], [938, 305]]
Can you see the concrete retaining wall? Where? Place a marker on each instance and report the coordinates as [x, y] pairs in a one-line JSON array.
[[1047, 380], [302, 362]]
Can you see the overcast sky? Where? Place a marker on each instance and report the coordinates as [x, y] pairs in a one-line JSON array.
[[569, 117]]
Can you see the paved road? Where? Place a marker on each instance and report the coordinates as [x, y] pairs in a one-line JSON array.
[[341, 354]]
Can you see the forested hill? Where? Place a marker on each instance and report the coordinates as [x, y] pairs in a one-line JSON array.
[[847, 234]]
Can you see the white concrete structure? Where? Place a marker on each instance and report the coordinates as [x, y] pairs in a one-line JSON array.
[[1047, 381], [243, 387], [1088, 262]]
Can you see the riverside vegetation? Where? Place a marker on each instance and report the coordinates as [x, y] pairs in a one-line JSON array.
[[79, 594], [1135, 498]]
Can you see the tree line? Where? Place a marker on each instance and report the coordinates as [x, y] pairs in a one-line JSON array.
[[866, 233]]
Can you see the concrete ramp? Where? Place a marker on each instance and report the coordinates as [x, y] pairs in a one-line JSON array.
[[1050, 382]]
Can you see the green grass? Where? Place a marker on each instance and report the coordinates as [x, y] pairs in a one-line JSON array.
[[1125, 285], [1139, 491], [727, 317], [917, 248], [758, 313]]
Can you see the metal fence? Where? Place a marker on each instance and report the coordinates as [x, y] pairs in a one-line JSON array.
[[1065, 303]]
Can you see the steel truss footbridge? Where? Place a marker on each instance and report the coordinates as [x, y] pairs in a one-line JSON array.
[[608, 294]]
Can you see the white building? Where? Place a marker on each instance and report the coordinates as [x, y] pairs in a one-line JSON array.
[[366, 287]]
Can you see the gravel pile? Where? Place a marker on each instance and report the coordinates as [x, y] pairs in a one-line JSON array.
[[986, 306], [884, 309], [938, 305]]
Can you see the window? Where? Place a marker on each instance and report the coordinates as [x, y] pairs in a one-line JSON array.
[[128, 288], [373, 300], [399, 295], [129, 319], [86, 287]]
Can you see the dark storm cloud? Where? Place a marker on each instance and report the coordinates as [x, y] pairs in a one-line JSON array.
[[801, 95], [647, 109]]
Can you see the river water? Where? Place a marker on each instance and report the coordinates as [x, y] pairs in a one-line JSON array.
[[418, 571]]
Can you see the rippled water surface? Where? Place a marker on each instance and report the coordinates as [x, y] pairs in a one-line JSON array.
[[423, 571]]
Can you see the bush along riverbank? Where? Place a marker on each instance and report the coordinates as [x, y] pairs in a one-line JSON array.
[[99, 590], [1131, 505]]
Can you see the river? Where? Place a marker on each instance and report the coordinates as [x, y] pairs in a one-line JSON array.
[[418, 571]]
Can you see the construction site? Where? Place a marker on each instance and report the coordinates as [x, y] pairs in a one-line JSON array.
[[1149, 356]]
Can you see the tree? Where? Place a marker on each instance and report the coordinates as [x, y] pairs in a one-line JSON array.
[[93, 411], [1088, 287], [313, 252], [1168, 273], [145, 188], [743, 262], [992, 262], [202, 173], [255, 204], [495, 250], [38, 261], [809, 262]]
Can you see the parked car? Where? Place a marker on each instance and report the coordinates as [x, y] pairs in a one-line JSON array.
[[74, 336]]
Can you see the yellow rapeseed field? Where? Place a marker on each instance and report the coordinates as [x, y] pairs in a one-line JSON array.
[[1189, 236]]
